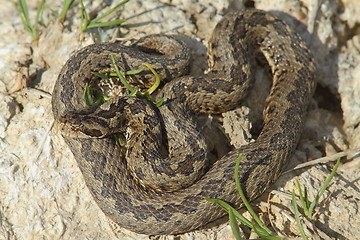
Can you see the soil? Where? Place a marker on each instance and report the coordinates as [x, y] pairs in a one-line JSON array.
[[42, 192]]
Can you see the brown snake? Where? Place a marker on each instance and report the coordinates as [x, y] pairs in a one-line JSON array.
[[156, 184]]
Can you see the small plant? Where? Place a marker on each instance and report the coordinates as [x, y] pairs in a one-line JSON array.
[[257, 225], [135, 91], [23, 11], [94, 97], [33, 28], [94, 23], [307, 206]]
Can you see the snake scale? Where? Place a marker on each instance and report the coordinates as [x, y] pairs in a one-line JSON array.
[[157, 182]]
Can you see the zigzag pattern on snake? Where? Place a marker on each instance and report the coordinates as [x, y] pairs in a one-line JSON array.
[[157, 182]]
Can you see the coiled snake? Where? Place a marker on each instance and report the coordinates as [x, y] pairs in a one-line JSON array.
[[157, 182]]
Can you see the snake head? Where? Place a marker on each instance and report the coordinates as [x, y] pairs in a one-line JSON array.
[[72, 124]]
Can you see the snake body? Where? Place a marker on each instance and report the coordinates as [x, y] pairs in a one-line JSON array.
[[157, 182]]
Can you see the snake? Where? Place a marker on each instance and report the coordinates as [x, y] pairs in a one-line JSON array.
[[157, 181]]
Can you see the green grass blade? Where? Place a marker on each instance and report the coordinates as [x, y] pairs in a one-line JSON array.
[[110, 11], [121, 76], [105, 24], [39, 13], [98, 98], [84, 17], [224, 205], [66, 6], [243, 197], [234, 225], [100, 75], [303, 197], [324, 186], [130, 72], [20, 14], [134, 72], [120, 139], [157, 79], [24, 10], [264, 235], [160, 102], [297, 216], [87, 96]]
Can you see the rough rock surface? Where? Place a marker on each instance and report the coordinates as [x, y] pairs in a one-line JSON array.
[[42, 192]]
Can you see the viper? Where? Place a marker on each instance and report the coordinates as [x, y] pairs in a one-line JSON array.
[[156, 183]]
